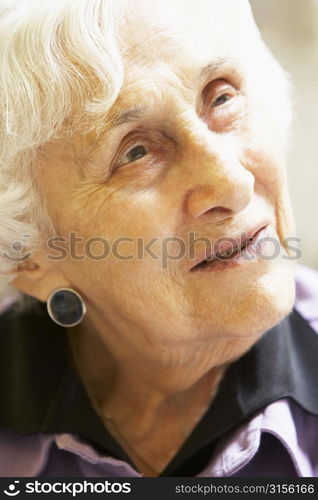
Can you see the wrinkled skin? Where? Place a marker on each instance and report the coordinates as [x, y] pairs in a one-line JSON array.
[[211, 161]]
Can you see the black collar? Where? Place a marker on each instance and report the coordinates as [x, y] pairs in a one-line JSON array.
[[40, 390]]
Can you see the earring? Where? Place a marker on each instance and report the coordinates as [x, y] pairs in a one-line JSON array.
[[66, 307]]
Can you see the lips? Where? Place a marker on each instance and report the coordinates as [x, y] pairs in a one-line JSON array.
[[227, 248]]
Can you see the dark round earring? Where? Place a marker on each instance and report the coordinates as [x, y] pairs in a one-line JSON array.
[[66, 307]]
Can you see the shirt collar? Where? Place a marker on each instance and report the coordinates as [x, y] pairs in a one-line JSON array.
[[280, 424], [282, 364], [40, 390]]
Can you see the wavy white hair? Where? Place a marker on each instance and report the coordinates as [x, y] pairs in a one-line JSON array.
[[58, 60], [61, 71]]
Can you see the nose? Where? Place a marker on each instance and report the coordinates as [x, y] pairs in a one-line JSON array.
[[219, 184]]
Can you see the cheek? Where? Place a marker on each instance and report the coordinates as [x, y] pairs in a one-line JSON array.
[[262, 151], [267, 168], [264, 158], [131, 228], [138, 221], [271, 179]]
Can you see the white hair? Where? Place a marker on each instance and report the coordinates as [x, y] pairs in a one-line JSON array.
[[61, 71], [58, 59]]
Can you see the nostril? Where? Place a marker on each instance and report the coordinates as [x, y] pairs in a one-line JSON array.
[[226, 193]]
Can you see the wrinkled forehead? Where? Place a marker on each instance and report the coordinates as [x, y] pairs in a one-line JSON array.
[[181, 33]]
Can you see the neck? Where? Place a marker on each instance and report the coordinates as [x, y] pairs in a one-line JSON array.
[[148, 405]]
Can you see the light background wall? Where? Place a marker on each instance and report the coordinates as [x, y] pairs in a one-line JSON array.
[[290, 29]]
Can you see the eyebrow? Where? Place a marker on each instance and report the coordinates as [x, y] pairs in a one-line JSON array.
[[126, 115], [132, 114], [210, 69]]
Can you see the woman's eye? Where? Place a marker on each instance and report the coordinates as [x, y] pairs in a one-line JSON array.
[[135, 154], [218, 92], [221, 100], [223, 105]]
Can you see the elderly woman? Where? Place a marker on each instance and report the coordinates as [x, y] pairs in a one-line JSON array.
[[144, 209]]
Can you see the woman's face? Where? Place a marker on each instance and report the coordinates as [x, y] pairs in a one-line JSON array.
[[191, 146]]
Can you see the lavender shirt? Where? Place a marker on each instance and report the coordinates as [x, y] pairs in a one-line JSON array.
[[280, 440]]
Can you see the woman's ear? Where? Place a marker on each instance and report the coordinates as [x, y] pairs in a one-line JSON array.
[[36, 276]]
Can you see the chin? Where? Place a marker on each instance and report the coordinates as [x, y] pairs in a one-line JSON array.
[[267, 302], [253, 303]]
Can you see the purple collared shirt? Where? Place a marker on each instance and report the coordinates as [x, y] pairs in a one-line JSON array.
[[280, 440]]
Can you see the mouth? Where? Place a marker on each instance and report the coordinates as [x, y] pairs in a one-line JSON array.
[[231, 249]]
